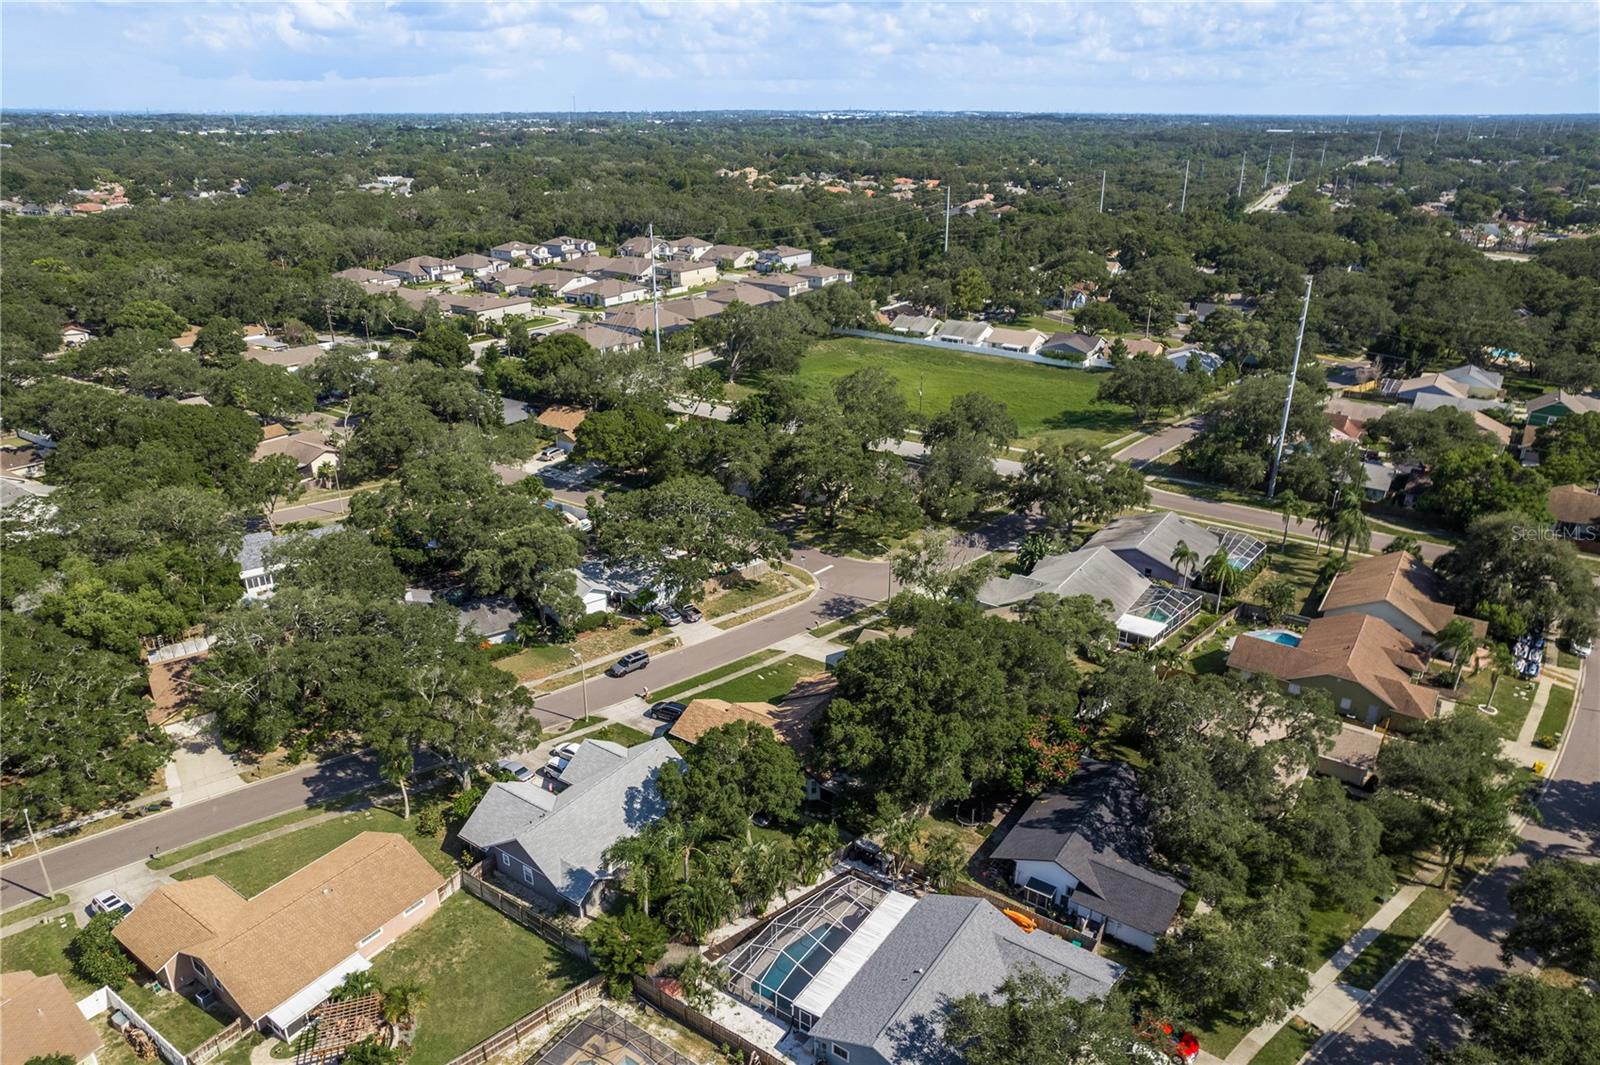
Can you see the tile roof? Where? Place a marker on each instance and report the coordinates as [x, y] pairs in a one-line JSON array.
[[1400, 579], [1358, 648], [272, 945], [1096, 827], [611, 793], [40, 1017], [944, 947]]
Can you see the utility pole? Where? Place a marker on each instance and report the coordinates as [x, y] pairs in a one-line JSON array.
[[1288, 175], [947, 219], [1399, 140], [1323, 158], [1102, 192], [49, 891], [1239, 192], [1288, 399], [1436, 129], [1183, 203], [655, 295], [1378, 148]]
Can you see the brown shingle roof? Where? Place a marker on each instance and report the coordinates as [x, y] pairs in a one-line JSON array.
[[1400, 579], [304, 447], [40, 1017], [269, 947], [791, 718], [563, 419], [1355, 647], [1573, 504], [703, 715]]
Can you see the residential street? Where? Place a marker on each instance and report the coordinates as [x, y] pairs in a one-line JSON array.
[[1147, 449], [1394, 1027]]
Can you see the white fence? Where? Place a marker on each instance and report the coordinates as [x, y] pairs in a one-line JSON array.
[[106, 999], [970, 349]]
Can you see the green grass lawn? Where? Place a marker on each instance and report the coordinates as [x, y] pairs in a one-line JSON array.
[[533, 662], [33, 909], [479, 972], [1329, 927], [767, 684], [746, 594], [715, 674], [1512, 699], [1288, 1046], [624, 735], [170, 858], [1301, 564], [256, 868], [43, 950], [1046, 402], [1384, 952], [1557, 713]]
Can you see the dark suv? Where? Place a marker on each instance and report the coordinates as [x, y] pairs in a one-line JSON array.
[[628, 663]]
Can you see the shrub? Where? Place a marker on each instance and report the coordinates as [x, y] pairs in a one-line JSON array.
[[624, 947], [590, 622], [430, 819], [464, 803], [1548, 740]]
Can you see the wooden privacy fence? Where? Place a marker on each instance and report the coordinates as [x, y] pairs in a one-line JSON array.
[[524, 914], [523, 1027], [219, 1042], [1006, 902], [701, 1025]]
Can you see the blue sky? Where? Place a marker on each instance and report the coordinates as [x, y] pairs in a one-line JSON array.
[[1263, 58]]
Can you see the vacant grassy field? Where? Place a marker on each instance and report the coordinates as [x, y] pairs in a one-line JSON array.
[[478, 971], [256, 868], [1048, 403], [715, 674], [767, 684]]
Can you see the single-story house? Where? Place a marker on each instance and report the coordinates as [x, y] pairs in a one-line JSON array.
[[362, 276], [971, 333], [1377, 480], [1352, 756], [254, 572], [783, 285], [564, 420], [73, 334], [1147, 542], [1361, 661], [607, 293], [677, 274], [274, 957], [1476, 382], [1428, 384], [528, 282], [1343, 429], [1144, 612], [514, 279], [1492, 427], [490, 308], [882, 997], [730, 256], [472, 264], [171, 683], [1139, 346], [292, 359], [1028, 341], [917, 325], [604, 587], [1397, 587], [1086, 848], [41, 1019], [1576, 509], [784, 257], [1553, 406], [491, 620], [643, 318], [1209, 361], [602, 337], [1430, 399], [553, 844], [424, 268], [742, 292], [23, 461], [310, 449], [821, 276], [1077, 347]]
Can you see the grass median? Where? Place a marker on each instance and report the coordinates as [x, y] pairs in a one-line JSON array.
[[1385, 952]]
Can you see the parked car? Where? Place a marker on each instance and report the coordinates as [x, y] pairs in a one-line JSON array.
[[517, 770], [665, 711], [669, 614], [565, 750], [631, 662], [109, 902], [691, 613], [551, 453], [556, 765], [1581, 648]]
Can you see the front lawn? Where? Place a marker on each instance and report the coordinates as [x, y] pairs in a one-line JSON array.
[[254, 869], [1288, 1046], [1557, 713], [33, 909], [716, 674], [1383, 953], [1048, 403], [478, 971], [622, 735], [767, 684]]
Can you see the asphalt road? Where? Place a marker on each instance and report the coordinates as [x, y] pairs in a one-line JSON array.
[[1395, 1027], [73, 863], [1147, 449]]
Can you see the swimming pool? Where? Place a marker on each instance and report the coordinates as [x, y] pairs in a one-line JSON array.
[[1286, 637]]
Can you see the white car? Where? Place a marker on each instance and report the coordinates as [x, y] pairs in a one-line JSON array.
[[517, 770], [109, 902], [1583, 649]]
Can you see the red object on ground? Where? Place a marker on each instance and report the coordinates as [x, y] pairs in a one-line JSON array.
[[1188, 1047]]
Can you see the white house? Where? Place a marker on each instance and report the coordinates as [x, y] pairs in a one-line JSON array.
[[784, 257]]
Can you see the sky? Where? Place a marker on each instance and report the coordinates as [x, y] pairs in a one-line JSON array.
[[332, 57]]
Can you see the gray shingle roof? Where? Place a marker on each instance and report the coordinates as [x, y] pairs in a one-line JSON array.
[[1096, 828], [945, 947], [252, 549], [1092, 571], [611, 793]]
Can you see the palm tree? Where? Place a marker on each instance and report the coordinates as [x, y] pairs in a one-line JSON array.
[[1184, 559], [643, 860], [700, 905], [1218, 569], [1293, 509], [1352, 527], [899, 839], [943, 858], [1460, 641], [764, 868], [1404, 542], [1164, 659], [356, 985], [401, 1003], [814, 851]]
